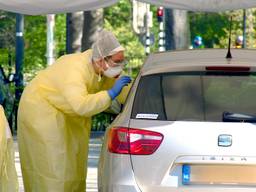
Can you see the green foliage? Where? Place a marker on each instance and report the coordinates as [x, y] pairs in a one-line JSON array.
[[101, 121], [7, 30], [7, 39], [210, 26], [34, 41], [7, 47], [35, 38], [214, 27], [35, 44], [134, 50], [60, 34], [118, 19]]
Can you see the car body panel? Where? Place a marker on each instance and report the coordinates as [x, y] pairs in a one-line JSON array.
[[207, 145], [185, 60], [180, 140], [115, 172]]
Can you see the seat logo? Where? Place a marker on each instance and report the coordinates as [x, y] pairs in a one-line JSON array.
[[225, 140]]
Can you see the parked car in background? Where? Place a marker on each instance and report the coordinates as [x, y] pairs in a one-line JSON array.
[[187, 125]]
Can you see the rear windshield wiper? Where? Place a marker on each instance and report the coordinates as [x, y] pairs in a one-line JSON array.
[[238, 117]]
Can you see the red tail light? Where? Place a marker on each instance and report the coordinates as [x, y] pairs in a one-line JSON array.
[[133, 141]]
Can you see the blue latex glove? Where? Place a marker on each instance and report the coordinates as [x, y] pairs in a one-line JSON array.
[[118, 86]]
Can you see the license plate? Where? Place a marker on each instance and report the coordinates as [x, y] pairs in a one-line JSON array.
[[219, 174], [186, 170]]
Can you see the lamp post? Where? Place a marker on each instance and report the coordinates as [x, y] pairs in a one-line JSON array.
[[19, 56], [50, 39], [148, 25], [18, 78]]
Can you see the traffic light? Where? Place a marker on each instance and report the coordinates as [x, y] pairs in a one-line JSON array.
[[160, 14]]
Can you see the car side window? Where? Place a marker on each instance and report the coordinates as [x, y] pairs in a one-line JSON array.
[[148, 103]]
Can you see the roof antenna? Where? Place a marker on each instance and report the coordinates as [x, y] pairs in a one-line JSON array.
[[229, 56]]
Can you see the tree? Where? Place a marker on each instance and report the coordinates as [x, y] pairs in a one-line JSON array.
[[93, 23], [7, 30], [212, 27], [35, 42], [250, 30], [176, 29], [74, 32], [119, 20], [7, 38]]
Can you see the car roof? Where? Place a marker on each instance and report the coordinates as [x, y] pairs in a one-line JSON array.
[[197, 60]]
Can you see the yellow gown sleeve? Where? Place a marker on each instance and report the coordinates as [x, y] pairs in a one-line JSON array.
[[8, 175], [76, 94]]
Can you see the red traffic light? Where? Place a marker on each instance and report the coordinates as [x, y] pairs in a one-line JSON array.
[[160, 12]]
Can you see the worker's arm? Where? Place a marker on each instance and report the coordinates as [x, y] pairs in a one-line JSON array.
[[85, 104], [77, 97]]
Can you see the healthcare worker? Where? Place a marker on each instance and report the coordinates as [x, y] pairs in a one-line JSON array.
[[8, 175], [54, 116]]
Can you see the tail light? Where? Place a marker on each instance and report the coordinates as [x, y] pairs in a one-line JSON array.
[[133, 141]]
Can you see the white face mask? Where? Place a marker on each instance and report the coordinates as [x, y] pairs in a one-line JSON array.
[[113, 71]]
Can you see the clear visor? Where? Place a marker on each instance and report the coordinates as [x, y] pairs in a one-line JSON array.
[[115, 64]]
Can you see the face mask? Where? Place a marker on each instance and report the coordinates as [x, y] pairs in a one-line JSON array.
[[113, 71]]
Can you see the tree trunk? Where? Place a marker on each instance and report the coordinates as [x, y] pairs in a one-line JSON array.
[[74, 32], [176, 29], [93, 23], [250, 29]]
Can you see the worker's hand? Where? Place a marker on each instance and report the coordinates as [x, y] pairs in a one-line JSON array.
[[118, 86]]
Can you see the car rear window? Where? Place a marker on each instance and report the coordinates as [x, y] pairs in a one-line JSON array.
[[195, 96]]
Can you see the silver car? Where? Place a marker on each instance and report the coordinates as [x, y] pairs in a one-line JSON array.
[[188, 125]]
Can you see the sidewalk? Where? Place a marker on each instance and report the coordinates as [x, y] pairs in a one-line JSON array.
[[94, 151]]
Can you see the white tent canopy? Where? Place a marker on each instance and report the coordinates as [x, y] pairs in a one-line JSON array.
[[36, 7]]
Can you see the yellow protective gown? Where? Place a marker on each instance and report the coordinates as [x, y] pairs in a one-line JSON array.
[[54, 122], [8, 175]]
